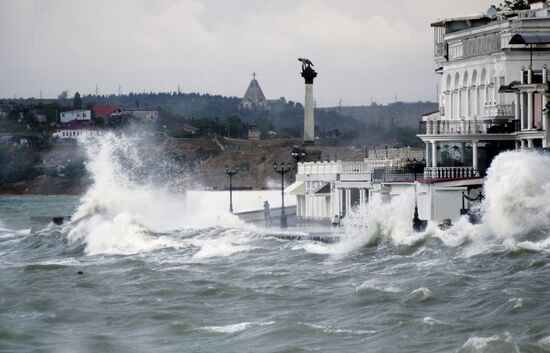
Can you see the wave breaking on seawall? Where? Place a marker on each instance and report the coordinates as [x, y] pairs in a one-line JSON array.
[[515, 213], [127, 209]]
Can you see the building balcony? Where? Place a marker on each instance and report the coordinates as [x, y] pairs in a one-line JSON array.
[[450, 172], [500, 111], [441, 52], [466, 127]]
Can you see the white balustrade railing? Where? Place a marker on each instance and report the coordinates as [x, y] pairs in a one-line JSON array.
[[450, 172], [355, 167], [319, 167], [335, 167], [395, 153], [452, 127], [499, 110]]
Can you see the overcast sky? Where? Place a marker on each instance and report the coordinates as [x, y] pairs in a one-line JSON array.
[[362, 49]]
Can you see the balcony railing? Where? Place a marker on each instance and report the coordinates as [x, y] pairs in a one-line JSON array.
[[450, 172], [500, 111], [466, 127]]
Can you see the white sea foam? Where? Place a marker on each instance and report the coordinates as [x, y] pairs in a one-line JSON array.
[[431, 321], [229, 243], [236, 327], [422, 293], [375, 285], [497, 343], [544, 343], [124, 207], [517, 193], [332, 330]]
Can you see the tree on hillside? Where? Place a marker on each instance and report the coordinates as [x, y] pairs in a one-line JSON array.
[[77, 101], [63, 95], [511, 5]]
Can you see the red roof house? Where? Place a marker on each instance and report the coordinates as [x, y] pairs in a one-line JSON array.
[[107, 110]]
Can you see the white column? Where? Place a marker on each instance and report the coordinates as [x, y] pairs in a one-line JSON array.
[[427, 152], [361, 197], [447, 105], [475, 111], [518, 145], [522, 110], [517, 112], [530, 111], [309, 125], [468, 102], [348, 201], [340, 202], [530, 143], [459, 103], [434, 155], [474, 154], [545, 122], [449, 114], [544, 114]]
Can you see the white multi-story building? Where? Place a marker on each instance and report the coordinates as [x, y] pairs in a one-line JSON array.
[[79, 115], [494, 87], [145, 115], [493, 95]]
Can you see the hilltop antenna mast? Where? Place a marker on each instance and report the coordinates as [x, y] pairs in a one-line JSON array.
[[40, 94], [179, 89], [119, 90], [96, 90]]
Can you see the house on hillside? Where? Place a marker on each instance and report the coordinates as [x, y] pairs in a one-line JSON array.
[[107, 111], [75, 129], [254, 133], [145, 115], [81, 115]]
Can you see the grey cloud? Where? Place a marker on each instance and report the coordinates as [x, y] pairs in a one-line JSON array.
[[362, 49]]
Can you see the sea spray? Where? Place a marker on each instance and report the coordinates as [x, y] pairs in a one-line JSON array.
[[125, 207], [517, 191], [374, 223]]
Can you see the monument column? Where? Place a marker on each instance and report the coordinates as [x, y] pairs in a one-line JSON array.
[[309, 122]]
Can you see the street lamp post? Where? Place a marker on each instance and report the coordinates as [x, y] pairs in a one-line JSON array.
[[283, 169], [231, 171]]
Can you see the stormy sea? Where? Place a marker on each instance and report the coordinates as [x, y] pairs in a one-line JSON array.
[[141, 268]]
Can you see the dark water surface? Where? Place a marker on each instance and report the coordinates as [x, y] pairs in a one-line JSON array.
[[234, 289]]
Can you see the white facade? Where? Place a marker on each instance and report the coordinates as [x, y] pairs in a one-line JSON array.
[[328, 188], [145, 115], [81, 115], [76, 133], [479, 115]]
